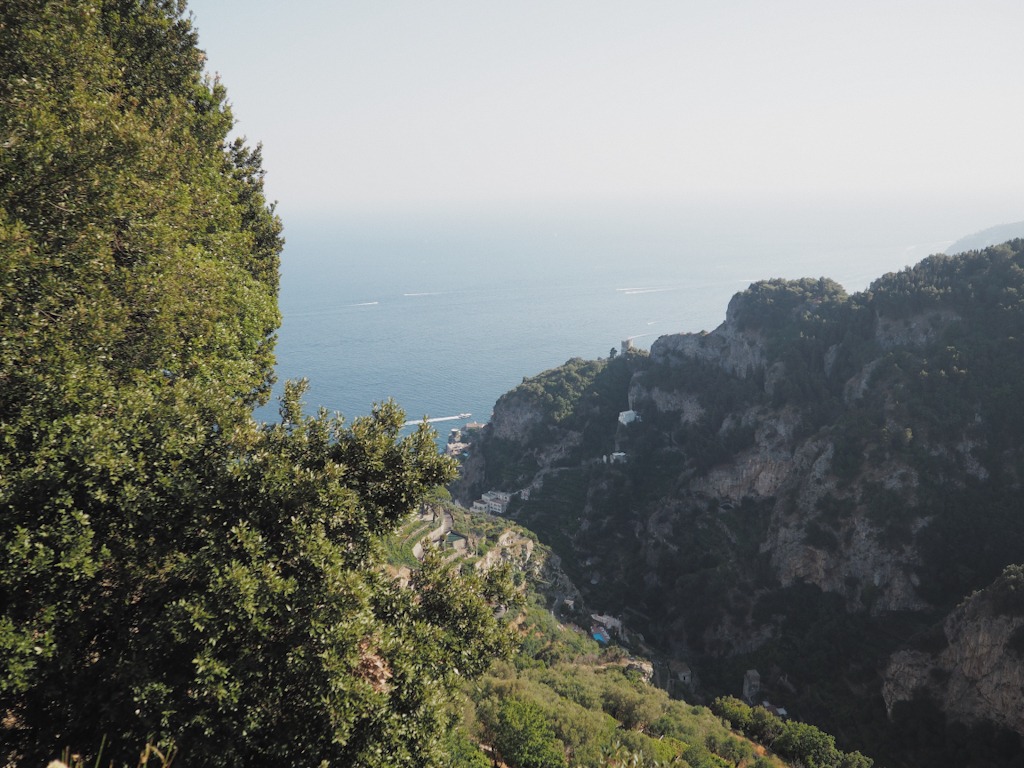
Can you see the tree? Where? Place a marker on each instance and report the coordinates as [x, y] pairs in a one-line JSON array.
[[462, 753], [169, 568], [629, 703], [810, 746], [855, 760], [524, 737], [733, 711], [764, 726]]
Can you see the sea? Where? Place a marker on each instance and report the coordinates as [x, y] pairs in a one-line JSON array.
[[445, 312]]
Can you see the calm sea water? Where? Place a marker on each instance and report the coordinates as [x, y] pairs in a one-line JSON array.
[[446, 314]]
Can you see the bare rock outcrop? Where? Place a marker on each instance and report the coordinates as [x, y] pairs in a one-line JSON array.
[[686, 404], [740, 352], [845, 554], [979, 674], [512, 547], [764, 469], [914, 331], [516, 418]]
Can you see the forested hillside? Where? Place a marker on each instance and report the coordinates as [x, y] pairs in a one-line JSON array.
[[565, 698], [172, 572], [810, 490]]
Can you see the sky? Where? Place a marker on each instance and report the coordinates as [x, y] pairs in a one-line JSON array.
[[383, 105]]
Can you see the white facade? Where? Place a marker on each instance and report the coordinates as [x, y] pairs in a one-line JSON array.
[[608, 621], [495, 501]]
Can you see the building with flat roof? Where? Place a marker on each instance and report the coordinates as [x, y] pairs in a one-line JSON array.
[[496, 502]]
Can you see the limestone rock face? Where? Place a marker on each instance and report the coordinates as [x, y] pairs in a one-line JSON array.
[[516, 418], [686, 404], [752, 474], [979, 675], [740, 352], [512, 547], [849, 559], [907, 673], [843, 555], [915, 331], [765, 468], [865, 573]]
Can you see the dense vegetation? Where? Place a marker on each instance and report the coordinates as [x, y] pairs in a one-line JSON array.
[[564, 698], [796, 741], [170, 570]]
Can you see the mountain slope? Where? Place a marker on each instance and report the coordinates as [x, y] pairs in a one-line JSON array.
[[987, 237], [808, 489]]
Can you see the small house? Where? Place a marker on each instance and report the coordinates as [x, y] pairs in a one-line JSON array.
[[628, 417], [682, 671]]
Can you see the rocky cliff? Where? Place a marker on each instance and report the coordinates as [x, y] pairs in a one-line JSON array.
[[979, 673], [735, 349], [806, 487]]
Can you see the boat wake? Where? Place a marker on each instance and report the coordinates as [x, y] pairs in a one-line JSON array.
[[633, 291], [439, 418]]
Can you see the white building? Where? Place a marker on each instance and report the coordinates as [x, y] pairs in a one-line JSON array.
[[628, 417], [608, 621], [496, 501]]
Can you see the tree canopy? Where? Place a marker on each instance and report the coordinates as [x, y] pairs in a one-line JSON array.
[[171, 570]]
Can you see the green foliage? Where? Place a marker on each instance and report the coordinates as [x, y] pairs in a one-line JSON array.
[[525, 738], [772, 305], [172, 572], [463, 753], [599, 711], [807, 744], [135, 243], [802, 743], [509, 466], [556, 392], [254, 613], [976, 303]]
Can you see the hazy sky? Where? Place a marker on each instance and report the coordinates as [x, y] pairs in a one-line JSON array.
[[379, 105]]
